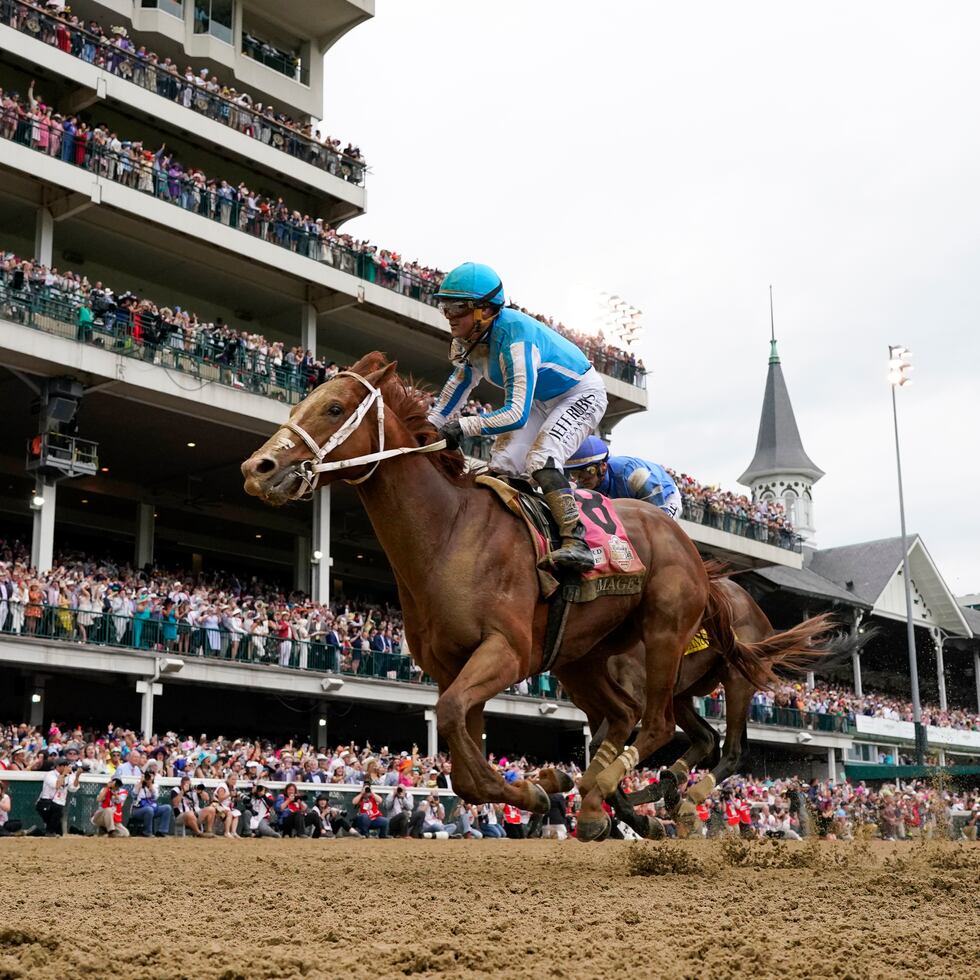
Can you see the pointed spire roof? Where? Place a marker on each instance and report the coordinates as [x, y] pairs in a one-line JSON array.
[[778, 448]]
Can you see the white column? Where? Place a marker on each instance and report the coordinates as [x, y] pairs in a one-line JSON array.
[[307, 327], [432, 730], [320, 587], [587, 735], [811, 681], [976, 674], [856, 654], [302, 571], [145, 529], [832, 764], [148, 691], [42, 540], [937, 638], [44, 237]]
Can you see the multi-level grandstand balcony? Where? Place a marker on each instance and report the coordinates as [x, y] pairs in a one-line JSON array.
[[185, 79]]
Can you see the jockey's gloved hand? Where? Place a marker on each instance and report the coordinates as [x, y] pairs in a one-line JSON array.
[[453, 434]]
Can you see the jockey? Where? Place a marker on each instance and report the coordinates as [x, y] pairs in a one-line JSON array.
[[553, 397], [592, 468]]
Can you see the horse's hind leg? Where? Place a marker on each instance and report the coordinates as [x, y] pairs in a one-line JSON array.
[[593, 689], [738, 697]]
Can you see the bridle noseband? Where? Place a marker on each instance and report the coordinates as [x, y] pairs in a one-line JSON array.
[[309, 470]]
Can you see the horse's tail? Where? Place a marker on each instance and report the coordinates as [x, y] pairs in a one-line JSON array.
[[797, 648]]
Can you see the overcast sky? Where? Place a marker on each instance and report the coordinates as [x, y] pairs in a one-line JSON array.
[[687, 156]]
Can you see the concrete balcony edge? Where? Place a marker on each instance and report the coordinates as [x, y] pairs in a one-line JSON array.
[[195, 124]]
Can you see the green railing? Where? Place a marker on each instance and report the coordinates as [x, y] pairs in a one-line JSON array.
[[698, 511], [147, 633], [151, 340], [713, 709], [152, 76]]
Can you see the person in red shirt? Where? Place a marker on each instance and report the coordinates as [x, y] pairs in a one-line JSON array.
[[369, 813], [731, 815], [108, 818], [513, 825], [745, 818]]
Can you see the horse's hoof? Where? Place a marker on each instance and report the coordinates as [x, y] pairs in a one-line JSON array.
[[654, 829], [686, 819], [542, 804], [555, 781], [670, 790], [589, 830]]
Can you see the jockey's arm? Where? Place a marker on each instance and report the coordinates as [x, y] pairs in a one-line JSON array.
[[644, 485], [520, 375], [453, 395]]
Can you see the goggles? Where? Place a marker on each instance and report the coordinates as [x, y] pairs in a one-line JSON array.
[[453, 309], [579, 471]]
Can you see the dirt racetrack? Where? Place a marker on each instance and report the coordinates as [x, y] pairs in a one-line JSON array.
[[300, 908]]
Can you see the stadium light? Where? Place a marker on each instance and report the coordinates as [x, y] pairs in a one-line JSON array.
[[322, 722], [316, 557], [898, 367], [35, 698], [37, 501]]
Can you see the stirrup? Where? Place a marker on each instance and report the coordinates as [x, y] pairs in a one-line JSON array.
[[572, 556]]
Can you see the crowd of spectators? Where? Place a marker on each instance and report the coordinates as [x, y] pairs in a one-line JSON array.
[[765, 520], [243, 787], [102, 601], [109, 603], [166, 335], [158, 172], [199, 90]]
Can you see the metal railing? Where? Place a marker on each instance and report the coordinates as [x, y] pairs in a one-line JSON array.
[[155, 77], [264, 53], [777, 716], [698, 511], [122, 332]]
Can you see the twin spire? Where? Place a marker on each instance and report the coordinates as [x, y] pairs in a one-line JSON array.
[[779, 450]]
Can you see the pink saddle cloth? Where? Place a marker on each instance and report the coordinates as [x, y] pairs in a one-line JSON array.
[[618, 569]]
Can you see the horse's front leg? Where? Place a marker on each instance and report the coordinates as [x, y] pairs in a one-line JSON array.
[[491, 668]]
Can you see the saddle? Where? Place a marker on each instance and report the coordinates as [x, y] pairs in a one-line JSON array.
[[618, 569]]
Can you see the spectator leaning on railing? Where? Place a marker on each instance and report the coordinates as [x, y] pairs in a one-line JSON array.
[[198, 90]]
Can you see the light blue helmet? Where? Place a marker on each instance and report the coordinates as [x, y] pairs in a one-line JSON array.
[[473, 283], [592, 451]]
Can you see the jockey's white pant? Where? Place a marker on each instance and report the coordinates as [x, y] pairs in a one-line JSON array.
[[554, 430], [673, 506]]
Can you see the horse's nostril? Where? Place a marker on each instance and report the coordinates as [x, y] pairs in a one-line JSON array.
[[265, 466]]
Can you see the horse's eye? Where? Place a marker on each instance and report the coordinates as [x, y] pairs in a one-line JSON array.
[[336, 410]]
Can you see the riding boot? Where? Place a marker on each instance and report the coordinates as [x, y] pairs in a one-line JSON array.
[[574, 554]]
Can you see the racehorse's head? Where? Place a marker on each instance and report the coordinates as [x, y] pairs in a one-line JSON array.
[[336, 421]]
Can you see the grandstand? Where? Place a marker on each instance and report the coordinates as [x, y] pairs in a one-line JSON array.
[[120, 445]]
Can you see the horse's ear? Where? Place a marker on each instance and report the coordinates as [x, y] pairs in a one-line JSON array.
[[379, 377]]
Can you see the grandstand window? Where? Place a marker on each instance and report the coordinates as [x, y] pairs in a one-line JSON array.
[[214, 17], [173, 7], [789, 503]]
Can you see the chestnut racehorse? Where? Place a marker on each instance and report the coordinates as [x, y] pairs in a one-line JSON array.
[[467, 583], [735, 618]]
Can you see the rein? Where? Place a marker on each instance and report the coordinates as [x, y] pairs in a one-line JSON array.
[[310, 469]]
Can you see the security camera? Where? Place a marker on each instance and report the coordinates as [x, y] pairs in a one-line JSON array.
[[331, 684], [804, 737]]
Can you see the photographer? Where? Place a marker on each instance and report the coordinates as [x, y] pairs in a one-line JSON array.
[[204, 809], [398, 807], [369, 813], [258, 813], [321, 812], [54, 795], [185, 812], [108, 818], [433, 817], [292, 813], [8, 827], [155, 816]]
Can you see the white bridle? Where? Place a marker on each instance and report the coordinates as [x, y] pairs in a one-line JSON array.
[[309, 470]]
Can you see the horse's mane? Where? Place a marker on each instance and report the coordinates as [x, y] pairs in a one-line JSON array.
[[407, 400]]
